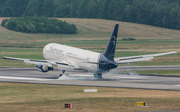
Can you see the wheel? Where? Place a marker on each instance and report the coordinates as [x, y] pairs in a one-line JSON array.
[[99, 75], [62, 75]]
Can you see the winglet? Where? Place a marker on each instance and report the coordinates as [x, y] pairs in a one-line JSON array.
[[111, 46]]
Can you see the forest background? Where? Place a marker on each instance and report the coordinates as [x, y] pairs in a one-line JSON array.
[[161, 13]]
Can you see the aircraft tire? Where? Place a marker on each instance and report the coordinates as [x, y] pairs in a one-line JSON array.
[[99, 75], [62, 75]]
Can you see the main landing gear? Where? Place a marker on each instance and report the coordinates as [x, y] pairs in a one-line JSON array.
[[97, 75], [63, 73]]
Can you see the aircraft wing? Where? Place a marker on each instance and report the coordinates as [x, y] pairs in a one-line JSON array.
[[31, 61], [131, 59], [61, 64], [64, 65]]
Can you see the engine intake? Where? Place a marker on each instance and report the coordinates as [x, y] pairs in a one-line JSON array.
[[43, 68]]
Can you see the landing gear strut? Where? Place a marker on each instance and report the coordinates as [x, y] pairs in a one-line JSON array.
[[97, 75], [63, 73]]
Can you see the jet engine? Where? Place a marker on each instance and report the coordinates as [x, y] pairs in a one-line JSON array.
[[43, 68]]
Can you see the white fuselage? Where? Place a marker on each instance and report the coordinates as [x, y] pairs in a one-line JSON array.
[[58, 53]]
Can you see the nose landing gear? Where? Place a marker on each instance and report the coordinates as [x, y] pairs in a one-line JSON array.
[[63, 73]]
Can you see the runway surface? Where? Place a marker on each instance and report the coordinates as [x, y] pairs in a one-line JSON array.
[[81, 78], [149, 68]]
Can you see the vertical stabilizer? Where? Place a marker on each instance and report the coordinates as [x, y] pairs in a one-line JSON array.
[[111, 46]]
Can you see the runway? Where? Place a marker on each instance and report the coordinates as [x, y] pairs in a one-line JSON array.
[[81, 78], [149, 68]]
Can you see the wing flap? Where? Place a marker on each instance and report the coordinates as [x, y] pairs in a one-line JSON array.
[[65, 66], [31, 61], [38, 63], [11, 58]]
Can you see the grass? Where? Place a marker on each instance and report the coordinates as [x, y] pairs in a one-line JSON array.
[[96, 32], [93, 34], [37, 97]]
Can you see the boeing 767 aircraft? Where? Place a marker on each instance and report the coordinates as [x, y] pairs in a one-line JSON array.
[[71, 58]]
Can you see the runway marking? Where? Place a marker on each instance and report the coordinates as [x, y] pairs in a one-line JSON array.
[[131, 77], [24, 78], [80, 75]]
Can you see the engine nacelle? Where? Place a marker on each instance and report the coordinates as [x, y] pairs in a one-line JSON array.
[[43, 68]]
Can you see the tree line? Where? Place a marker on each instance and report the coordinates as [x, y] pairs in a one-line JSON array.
[[37, 24], [161, 13]]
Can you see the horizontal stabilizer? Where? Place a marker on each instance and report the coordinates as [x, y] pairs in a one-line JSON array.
[[131, 59], [134, 60]]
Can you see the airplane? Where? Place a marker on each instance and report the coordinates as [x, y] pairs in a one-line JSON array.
[[68, 58]]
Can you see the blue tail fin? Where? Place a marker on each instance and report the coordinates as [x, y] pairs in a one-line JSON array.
[[111, 46]]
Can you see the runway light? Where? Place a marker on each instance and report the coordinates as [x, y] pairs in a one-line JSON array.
[[90, 90], [142, 104], [67, 105]]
